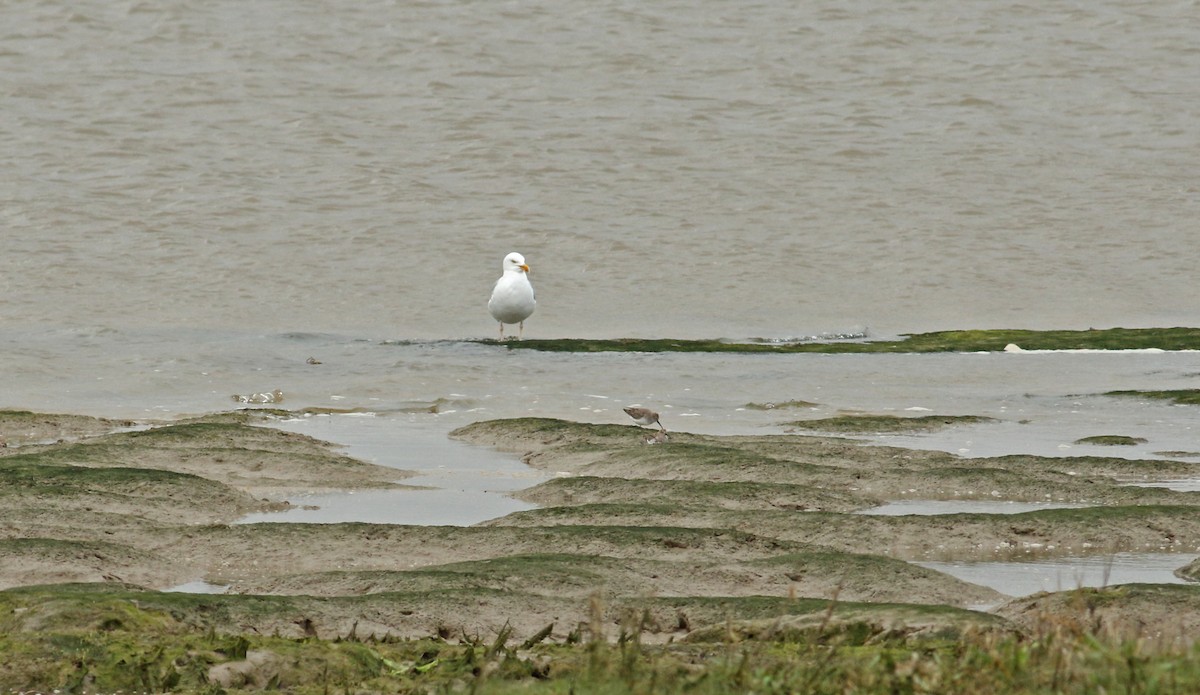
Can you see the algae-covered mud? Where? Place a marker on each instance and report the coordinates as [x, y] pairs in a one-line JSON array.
[[705, 481], [874, 424], [1111, 440], [1177, 396], [95, 506], [942, 341], [695, 540]]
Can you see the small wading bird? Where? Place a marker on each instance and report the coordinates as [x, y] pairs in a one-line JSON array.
[[512, 298], [656, 437], [644, 416]]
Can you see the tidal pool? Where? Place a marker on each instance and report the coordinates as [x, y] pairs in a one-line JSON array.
[[456, 484], [1178, 485], [198, 587], [1062, 574]]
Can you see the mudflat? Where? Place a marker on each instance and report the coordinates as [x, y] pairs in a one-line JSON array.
[[689, 537]]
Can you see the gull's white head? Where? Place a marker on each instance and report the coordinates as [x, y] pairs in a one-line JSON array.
[[515, 262]]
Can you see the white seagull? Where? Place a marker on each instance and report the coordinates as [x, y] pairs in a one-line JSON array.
[[512, 298]]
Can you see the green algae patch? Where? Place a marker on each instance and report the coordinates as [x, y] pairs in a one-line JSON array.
[[992, 340], [150, 494], [206, 432], [1177, 396], [20, 474], [702, 462], [828, 473], [544, 429], [972, 536], [1111, 440], [130, 488], [891, 424], [226, 448], [1112, 466], [797, 569], [95, 524], [23, 427], [261, 558], [551, 574], [31, 559]]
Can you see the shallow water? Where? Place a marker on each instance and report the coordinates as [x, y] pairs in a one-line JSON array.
[[1042, 402], [462, 485], [199, 587], [420, 391], [1025, 578], [201, 196], [675, 170]]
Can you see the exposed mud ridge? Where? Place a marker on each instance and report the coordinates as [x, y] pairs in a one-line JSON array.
[[750, 535]]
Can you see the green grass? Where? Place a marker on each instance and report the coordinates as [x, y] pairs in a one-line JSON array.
[[992, 340], [109, 640]]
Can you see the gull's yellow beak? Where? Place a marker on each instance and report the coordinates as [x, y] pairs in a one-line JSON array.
[[524, 267]]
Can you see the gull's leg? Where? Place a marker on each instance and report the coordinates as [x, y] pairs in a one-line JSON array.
[[502, 331], [521, 331]]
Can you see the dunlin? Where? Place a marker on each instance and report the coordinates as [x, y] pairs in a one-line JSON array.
[[275, 396], [644, 416], [512, 298], [656, 437]]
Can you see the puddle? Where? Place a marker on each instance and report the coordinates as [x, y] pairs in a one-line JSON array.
[[1063, 574], [198, 587], [464, 485], [934, 507]]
